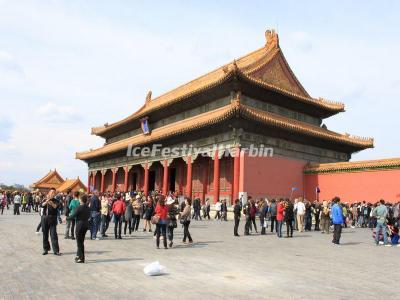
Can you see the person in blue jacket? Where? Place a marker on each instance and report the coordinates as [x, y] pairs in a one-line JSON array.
[[337, 220]]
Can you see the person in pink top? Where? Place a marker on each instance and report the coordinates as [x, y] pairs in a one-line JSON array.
[[161, 227]]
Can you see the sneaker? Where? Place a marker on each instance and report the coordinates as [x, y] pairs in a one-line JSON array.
[[57, 254], [170, 244], [66, 237], [72, 238], [37, 232], [79, 261], [45, 252], [97, 239], [388, 245]]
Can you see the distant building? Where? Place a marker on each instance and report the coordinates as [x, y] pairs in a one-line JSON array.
[[54, 180]]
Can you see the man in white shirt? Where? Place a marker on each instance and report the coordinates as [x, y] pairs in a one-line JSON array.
[[301, 209]]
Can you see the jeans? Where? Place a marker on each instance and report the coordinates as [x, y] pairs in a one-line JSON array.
[[289, 228], [16, 208], [117, 225], [279, 228], [136, 221], [104, 224], [170, 233], [128, 223], [70, 225], [94, 220], [236, 227], [161, 229], [273, 223], [186, 233], [380, 226]]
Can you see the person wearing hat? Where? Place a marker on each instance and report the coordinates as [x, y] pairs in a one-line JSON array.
[[128, 214]]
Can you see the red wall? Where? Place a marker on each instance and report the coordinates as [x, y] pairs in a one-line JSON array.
[[351, 187], [271, 176]]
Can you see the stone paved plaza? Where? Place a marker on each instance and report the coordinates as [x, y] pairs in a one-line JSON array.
[[216, 266]]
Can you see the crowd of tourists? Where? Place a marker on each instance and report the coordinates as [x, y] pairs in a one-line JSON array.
[[162, 213]]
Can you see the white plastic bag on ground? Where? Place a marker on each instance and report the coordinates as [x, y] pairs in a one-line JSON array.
[[154, 269]]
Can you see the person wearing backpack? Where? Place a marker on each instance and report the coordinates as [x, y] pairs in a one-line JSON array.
[[272, 212], [325, 218]]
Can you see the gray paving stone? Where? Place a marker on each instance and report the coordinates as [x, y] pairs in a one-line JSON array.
[[216, 266]]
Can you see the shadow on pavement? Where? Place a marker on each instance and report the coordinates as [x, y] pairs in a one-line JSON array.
[[110, 260]]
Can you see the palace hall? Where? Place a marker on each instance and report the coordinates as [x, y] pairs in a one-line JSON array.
[[253, 101]]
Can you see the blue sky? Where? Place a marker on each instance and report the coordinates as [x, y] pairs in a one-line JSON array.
[[66, 66]]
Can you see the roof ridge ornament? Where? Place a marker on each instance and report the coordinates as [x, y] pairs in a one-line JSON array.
[[148, 96], [272, 39]]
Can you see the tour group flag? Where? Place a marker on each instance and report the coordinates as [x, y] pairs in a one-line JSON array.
[[317, 190], [145, 125]]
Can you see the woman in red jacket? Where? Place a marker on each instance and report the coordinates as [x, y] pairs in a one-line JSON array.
[[279, 217], [161, 227]]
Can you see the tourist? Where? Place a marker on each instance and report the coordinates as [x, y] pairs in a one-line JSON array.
[[105, 215], [81, 214], [24, 202], [217, 210], [49, 224], [95, 207], [74, 203], [246, 212], [272, 213], [3, 202], [173, 210], [148, 213], [263, 215], [161, 212], [308, 216], [317, 213], [137, 207], [236, 217], [118, 209], [253, 213], [381, 213], [207, 209], [185, 220], [224, 211], [68, 200], [301, 209], [289, 217], [279, 217], [128, 214], [345, 215], [196, 209], [325, 217], [337, 220], [17, 203]]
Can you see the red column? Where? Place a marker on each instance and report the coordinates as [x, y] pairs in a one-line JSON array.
[[181, 177], [89, 181], [114, 173], [94, 180], [165, 178], [205, 179], [126, 179], [189, 178], [236, 174], [146, 180], [216, 177], [102, 181]]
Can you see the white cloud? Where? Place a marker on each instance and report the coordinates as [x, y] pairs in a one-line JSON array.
[[58, 113]]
